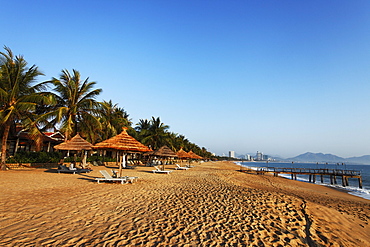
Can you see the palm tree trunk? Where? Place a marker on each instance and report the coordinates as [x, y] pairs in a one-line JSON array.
[[3, 146]]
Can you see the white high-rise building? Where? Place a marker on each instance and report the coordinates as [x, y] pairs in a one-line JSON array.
[[259, 156], [232, 154]]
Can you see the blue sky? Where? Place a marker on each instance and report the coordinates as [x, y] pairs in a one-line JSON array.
[[280, 77]]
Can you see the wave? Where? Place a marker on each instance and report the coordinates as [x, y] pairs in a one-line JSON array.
[[363, 193]]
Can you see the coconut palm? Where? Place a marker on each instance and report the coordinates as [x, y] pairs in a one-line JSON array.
[[76, 105], [153, 133], [143, 128], [19, 95], [113, 119]]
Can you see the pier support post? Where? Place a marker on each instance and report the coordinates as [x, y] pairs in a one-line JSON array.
[[331, 179], [360, 182], [314, 178], [343, 181], [335, 179]]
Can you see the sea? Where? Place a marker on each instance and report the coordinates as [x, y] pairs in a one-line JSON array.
[[352, 189]]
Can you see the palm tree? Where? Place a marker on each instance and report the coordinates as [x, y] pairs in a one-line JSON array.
[[153, 133], [76, 108], [19, 96], [113, 119]]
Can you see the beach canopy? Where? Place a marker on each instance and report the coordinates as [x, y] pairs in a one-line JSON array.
[[194, 155], [164, 152], [77, 143], [122, 142], [183, 155]]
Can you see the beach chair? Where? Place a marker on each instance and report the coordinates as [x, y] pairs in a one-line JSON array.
[[127, 165], [64, 169], [107, 177], [84, 170], [129, 179], [178, 167], [157, 170]]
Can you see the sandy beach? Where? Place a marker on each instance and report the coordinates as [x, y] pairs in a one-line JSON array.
[[212, 204]]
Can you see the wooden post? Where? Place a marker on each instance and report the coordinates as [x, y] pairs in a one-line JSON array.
[[119, 160]]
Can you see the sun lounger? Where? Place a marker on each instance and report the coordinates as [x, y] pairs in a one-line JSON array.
[[125, 166], [129, 179], [64, 169], [108, 177], [178, 167], [157, 170]]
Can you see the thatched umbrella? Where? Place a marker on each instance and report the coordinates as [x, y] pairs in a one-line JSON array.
[[123, 143], [183, 155], [194, 155], [164, 152], [77, 143]]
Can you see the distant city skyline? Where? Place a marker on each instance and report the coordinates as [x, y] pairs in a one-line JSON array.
[[254, 156], [285, 77]]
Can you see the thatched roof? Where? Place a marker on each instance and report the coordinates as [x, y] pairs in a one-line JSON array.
[[194, 155], [76, 143], [183, 155], [164, 152], [122, 141]]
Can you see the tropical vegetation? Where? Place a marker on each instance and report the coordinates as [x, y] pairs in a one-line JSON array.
[[19, 96], [68, 103]]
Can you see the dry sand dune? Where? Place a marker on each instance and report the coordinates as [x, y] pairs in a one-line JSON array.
[[212, 204]]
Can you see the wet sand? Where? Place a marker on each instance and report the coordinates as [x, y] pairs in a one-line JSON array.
[[212, 204]]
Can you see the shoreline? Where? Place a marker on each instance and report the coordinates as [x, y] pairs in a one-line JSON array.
[[212, 203], [362, 193]]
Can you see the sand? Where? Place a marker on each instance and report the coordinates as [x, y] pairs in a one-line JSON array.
[[212, 204]]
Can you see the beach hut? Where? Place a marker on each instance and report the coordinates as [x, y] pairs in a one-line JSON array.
[[77, 143], [123, 143], [164, 153]]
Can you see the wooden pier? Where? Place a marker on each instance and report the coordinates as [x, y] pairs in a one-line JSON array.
[[312, 174]]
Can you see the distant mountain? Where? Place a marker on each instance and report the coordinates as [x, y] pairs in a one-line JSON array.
[[360, 160], [317, 157], [320, 157]]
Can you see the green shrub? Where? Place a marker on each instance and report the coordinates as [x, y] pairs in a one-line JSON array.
[[51, 157], [35, 157], [100, 158], [72, 159]]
